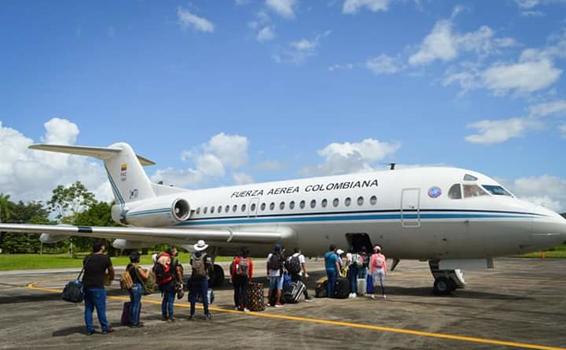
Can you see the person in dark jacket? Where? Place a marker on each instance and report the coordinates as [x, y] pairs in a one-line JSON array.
[[198, 283], [97, 268], [139, 276]]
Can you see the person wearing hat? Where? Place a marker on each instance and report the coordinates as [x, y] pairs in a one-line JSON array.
[[138, 276], [378, 268], [198, 283]]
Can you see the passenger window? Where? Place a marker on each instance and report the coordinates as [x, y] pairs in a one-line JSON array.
[[292, 205], [272, 206], [302, 204], [219, 209], [347, 201], [227, 209], [373, 200], [324, 203], [455, 192], [243, 207], [212, 210], [198, 210], [360, 200], [335, 202], [205, 210], [234, 208], [282, 205], [262, 206], [313, 203], [252, 207], [473, 191]]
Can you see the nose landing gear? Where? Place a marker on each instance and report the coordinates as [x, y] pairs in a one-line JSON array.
[[446, 281]]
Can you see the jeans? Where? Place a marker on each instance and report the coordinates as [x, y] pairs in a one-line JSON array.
[[378, 276], [296, 277], [95, 298], [198, 286], [353, 277], [331, 274], [275, 282], [168, 294], [135, 303], [240, 291]]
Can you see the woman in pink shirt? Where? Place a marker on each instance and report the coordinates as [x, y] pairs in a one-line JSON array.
[[378, 268]]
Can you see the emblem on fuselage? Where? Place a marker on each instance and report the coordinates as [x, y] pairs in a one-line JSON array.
[[434, 192], [123, 171]]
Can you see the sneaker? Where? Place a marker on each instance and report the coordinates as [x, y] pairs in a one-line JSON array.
[[237, 308], [172, 319], [246, 310], [372, 296], [208, 316], [384, 297], [164, 318], [90, 332], [354, 295], [278, 305], [108, 331], [308, 300]]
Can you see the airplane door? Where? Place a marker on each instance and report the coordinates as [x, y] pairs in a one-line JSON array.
[[253, 207], [410, 208]]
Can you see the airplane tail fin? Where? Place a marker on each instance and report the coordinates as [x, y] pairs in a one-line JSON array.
[[124, 168]]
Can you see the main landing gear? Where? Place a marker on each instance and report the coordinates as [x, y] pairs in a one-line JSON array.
[[216, 276], [446, 281]]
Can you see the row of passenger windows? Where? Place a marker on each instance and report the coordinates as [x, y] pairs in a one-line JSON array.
[[282, 205]]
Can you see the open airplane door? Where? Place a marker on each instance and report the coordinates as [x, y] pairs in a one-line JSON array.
[[410, 208]]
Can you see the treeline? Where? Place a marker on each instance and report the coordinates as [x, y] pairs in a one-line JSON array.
[[73, 205]]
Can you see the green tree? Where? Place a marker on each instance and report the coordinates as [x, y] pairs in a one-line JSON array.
[[99, 214], [29, 213], [6, 207], [67, 202]]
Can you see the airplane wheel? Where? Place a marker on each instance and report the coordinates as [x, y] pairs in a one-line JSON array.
[[443, 286], [217, 276]]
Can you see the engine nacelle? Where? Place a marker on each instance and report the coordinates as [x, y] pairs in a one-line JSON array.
[[49, 238], [126, 244], [164, 211]]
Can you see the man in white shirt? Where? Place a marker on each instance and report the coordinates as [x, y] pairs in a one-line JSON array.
[[297, 268], [274, 269]]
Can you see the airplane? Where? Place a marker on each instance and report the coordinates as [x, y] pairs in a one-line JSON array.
[[453, 218]]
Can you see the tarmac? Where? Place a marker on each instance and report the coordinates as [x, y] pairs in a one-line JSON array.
[[520, 304]]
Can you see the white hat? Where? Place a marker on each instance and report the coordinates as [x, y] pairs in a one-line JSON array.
[[339, 252], [200, 246], [377, 247]]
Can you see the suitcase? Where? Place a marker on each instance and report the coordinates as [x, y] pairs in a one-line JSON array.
[[293, 292], [125, 319], [369, 282], [342, 288], [320, 289], [362, 286], [255, 297]]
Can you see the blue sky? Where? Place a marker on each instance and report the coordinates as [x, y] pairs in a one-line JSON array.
[[224, 92]]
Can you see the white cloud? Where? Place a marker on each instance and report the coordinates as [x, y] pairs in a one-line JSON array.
[[263, 27], [31, 175], [497, 131], [298, 51], [346, 66], [212, 160], [284, 8], [444, 44], [522, 77], [545, 190], [342, 158], [563, 130], [187, 19], [242, 179], [353, 6], [265, 34], [548, 108], [527, 4], [384, 64]]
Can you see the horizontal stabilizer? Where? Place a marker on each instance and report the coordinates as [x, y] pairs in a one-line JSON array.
[[103, 153], [146, 234]]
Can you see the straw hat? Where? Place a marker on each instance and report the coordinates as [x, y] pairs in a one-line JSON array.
[[200, 246]]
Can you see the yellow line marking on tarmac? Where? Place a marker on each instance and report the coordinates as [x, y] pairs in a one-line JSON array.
[[370, 327]]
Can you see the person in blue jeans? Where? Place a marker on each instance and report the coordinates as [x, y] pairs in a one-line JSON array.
[[97, 267], [332, 267], [198, 283], [168, 301], [139, 276]]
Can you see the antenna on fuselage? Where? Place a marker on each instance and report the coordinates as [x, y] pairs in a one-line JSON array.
[[392, 166]]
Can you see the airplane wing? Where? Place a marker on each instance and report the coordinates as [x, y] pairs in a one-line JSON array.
[[147, 234]]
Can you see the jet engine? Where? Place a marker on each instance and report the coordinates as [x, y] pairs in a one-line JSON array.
[[164, 211]]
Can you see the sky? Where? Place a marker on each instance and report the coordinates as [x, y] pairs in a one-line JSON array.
[[241, 91]]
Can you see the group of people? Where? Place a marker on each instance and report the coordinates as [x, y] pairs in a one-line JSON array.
[[355, 265]]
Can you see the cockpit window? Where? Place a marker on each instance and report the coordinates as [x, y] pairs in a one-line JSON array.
[[469, 177], [455, 192], [473, 191], [496, 190]]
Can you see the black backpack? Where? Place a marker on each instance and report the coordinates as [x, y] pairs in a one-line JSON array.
[[293, 265], [275, 262], [73, 291]]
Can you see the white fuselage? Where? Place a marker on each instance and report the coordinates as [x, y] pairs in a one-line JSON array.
[[408, 212]]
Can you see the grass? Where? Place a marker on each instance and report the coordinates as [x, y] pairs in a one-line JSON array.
[[556, 252], [61, 261]]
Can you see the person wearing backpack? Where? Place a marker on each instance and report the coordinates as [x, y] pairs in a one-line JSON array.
[[378, 268], [178, 272], [165, 278], [198, 283], [138, 276], [332, 269], [242, 268], [355, 263], [274, 268], [295, 265], [97, 267]]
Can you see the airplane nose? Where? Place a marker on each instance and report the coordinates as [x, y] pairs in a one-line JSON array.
[[549, 229]]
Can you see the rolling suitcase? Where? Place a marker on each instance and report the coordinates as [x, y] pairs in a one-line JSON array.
[[369, 282], [320, 290], [125, 319], [342, 288], [293, 292], [362, 286], [255, 297]]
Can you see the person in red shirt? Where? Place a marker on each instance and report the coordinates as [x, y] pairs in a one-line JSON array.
[[242, 272]]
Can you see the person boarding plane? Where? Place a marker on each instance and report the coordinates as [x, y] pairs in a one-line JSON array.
[[453, 218]]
